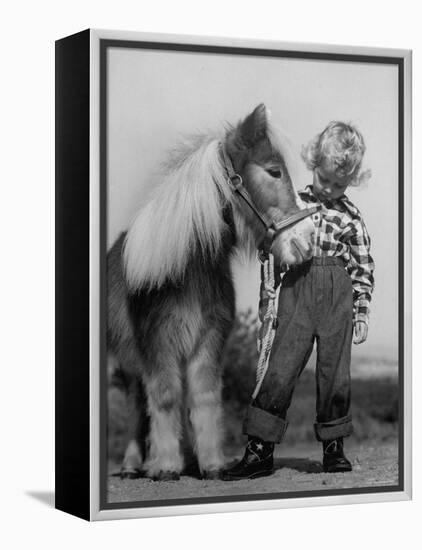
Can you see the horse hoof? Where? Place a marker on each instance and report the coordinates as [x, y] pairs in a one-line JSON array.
[[212, 474], [130, 474], [166, 476]]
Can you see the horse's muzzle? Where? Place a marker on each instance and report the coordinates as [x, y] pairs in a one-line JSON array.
[[301, 250]]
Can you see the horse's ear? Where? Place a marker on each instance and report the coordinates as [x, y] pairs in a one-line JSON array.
[[255, 126]]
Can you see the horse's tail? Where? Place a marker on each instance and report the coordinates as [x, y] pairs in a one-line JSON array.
[[120, 338]]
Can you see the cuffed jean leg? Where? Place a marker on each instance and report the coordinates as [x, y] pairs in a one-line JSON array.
[[334, 341], [266, 426], [292, 346], [341, 427]]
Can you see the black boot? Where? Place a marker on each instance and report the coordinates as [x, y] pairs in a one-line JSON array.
[[334, 460], [256, 462]]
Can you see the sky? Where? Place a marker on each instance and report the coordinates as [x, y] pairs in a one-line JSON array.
[[155, 97]]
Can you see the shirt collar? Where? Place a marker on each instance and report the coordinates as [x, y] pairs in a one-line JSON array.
[[342, 203], [309, 190]]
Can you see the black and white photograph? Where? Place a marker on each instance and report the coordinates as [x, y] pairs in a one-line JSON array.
[[210, 275], [252, 240]]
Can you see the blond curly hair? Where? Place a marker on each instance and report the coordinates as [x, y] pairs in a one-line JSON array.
[[342, 147]]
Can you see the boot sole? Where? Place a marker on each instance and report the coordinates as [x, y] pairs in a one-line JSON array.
[[262, 473]]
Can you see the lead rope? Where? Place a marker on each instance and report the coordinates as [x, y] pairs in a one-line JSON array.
[[268, 302]]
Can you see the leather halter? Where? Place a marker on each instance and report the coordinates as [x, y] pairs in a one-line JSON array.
[[272, 227]]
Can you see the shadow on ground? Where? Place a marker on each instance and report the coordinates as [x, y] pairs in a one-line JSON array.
[[302, 465], [45, 497]]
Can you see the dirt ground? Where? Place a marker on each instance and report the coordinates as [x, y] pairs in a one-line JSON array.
[[296, 469]]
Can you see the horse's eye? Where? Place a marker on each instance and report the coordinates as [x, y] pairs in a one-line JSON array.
[[274, 173]]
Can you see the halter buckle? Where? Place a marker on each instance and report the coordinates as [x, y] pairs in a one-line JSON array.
[[235, 178]]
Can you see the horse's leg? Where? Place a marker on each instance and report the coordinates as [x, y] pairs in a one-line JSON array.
[[189, 456], [137, 430], [204, 391], [163, 387]]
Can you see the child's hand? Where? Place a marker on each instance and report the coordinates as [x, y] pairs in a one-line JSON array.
[[361, 332]]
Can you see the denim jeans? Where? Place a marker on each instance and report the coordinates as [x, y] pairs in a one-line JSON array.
[[315, 305]]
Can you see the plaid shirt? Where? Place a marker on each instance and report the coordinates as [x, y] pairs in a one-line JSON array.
[[341, 232]]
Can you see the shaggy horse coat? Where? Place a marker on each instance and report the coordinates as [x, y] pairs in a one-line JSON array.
[[171, 300]]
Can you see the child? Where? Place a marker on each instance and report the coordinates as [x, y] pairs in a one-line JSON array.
[[324, 300]]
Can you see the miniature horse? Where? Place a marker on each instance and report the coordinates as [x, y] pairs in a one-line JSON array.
[[171, 299]]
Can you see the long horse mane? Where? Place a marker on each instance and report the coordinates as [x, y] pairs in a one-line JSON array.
[[184, 214]]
